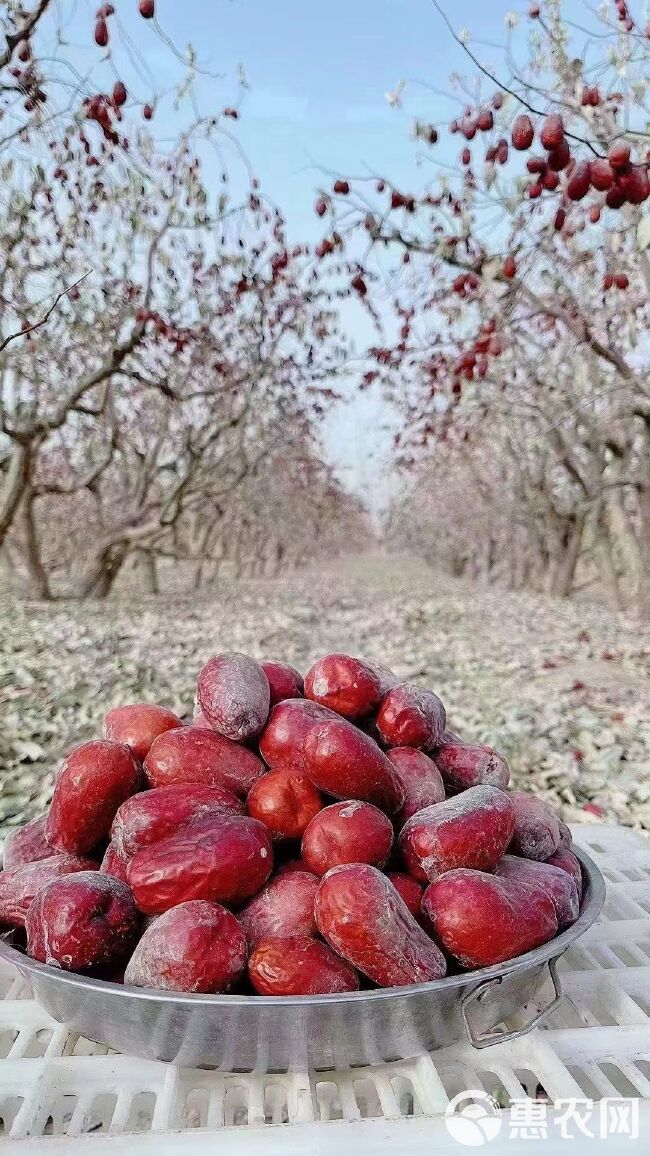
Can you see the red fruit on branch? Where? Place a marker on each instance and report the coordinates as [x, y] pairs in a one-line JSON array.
[[523, 133], [615, 197], [147, 8], [466, 156], [119, 93], [619, 155], [579, 182], [147, 112], [341, 187], [485, 120], [320, 207], [608, 281], [559, 158], [602, 177], [101, 33], [635, 185], [509, 267], [552, 133], [621, 281]]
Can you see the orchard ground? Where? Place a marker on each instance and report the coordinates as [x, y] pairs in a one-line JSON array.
[[561, 688]]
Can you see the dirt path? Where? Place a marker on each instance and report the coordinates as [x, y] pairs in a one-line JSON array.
[[562, 689]]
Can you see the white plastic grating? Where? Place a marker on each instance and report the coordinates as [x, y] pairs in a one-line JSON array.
[[62, 1093]]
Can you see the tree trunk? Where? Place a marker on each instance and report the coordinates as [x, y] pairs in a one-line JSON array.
[[14, 485], [98, 583], [147, 563], [566, 563], [197, 581], [37, 572]]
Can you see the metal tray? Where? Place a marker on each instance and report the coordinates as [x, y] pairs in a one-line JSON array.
[[246, 1033]]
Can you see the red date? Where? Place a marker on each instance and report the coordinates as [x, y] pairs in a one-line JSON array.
[[361, 915], [470, 830], [153, 815], [299, 966], [224, 859], [348, 686], [408, 889], [113, 864], [85, 922], [196, 947], [26, 844], [566, 861], [481, 919], [463, 766], [350, 832], [137, 725], [94, 780], [284, 681], [285, 801], [282, 741], [18, 885], [343, 761], [198, 755], [537, 832], [234, 695], [420, 778], [560, 885], [285, 906], [411, 717]]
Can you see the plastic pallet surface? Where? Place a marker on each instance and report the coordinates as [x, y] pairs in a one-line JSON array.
[[60, 1092]]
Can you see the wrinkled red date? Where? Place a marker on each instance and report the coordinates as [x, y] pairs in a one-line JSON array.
[[481, 919], [224, 859], [560, 885], [420, 778], [285, 906], [234, 695], [463, 766], [359, 912], [472, 829], [408, 889], [411, 717], [350, 832], [137, 725], [18, 885], [348, 686], [299, 966], [537, 832], [285, 801], [113, 863], [84, 922], [94, 780], [26, 844], [153, 815], [196, 947], [284, 681], [197, 755], [343, 761], [282, 741], [566, 861]]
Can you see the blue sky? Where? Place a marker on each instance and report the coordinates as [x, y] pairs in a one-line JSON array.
[[318, 74]]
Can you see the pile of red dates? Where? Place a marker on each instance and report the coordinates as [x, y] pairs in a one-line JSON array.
[[296, 838]]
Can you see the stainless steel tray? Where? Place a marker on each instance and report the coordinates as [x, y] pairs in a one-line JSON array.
[[242, 1033]]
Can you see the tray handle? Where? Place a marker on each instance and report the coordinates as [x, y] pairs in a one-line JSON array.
[[486, 1039]]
